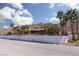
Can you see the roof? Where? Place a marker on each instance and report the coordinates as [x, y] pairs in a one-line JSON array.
[[36, 29]]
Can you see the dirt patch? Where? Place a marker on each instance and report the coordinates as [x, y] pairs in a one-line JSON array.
[[73, 43]]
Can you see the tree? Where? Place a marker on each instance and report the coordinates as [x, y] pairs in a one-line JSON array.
[[77, 29], [77, 25], [61, 15], [17, 30], [54, 30], [12, 26], [21, 29], [65, 20], [72, 15], [24, 29]]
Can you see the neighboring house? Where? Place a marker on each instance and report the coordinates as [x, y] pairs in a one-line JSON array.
[[33, 29], [4, 31], [37, 29]]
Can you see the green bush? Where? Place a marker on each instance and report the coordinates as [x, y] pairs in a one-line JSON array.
[[9, 33]]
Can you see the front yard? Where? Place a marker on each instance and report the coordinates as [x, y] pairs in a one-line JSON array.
[[73, 43]]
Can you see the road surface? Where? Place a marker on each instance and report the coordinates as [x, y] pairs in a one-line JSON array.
[[21, 48]]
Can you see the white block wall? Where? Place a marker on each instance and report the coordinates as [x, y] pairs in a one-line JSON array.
[[46, 39]]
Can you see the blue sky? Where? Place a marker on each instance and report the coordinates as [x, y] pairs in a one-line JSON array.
[[31, 13], [42, 11]]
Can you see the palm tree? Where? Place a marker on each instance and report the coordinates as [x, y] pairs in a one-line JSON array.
[[77, 29], [77, 20], [65, 20], [12, 26], [61, 15], [71, 15]]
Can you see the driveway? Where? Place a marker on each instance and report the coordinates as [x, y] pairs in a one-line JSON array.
[[21, 48]]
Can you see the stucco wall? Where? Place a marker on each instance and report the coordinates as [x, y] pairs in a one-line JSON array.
[[46, 39]]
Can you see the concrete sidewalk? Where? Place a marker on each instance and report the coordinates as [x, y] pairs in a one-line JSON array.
[[21, 48]]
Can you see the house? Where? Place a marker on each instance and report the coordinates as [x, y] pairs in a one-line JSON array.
[[37, 29], [4, 31]]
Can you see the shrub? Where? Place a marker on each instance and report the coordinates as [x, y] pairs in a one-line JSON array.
[[9, 33]]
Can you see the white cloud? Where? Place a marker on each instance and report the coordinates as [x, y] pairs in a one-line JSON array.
[[54, 14], [47, 20], [5, 26], [61, 4], [17, 5], [51, 5], [19, 12], [21, 20], [72, 5], [8, 9], [77, 7], [54, 20], [5, 13], [25, 11], [17, 16]]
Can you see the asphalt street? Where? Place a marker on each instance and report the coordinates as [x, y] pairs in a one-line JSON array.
[[21, 48]]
